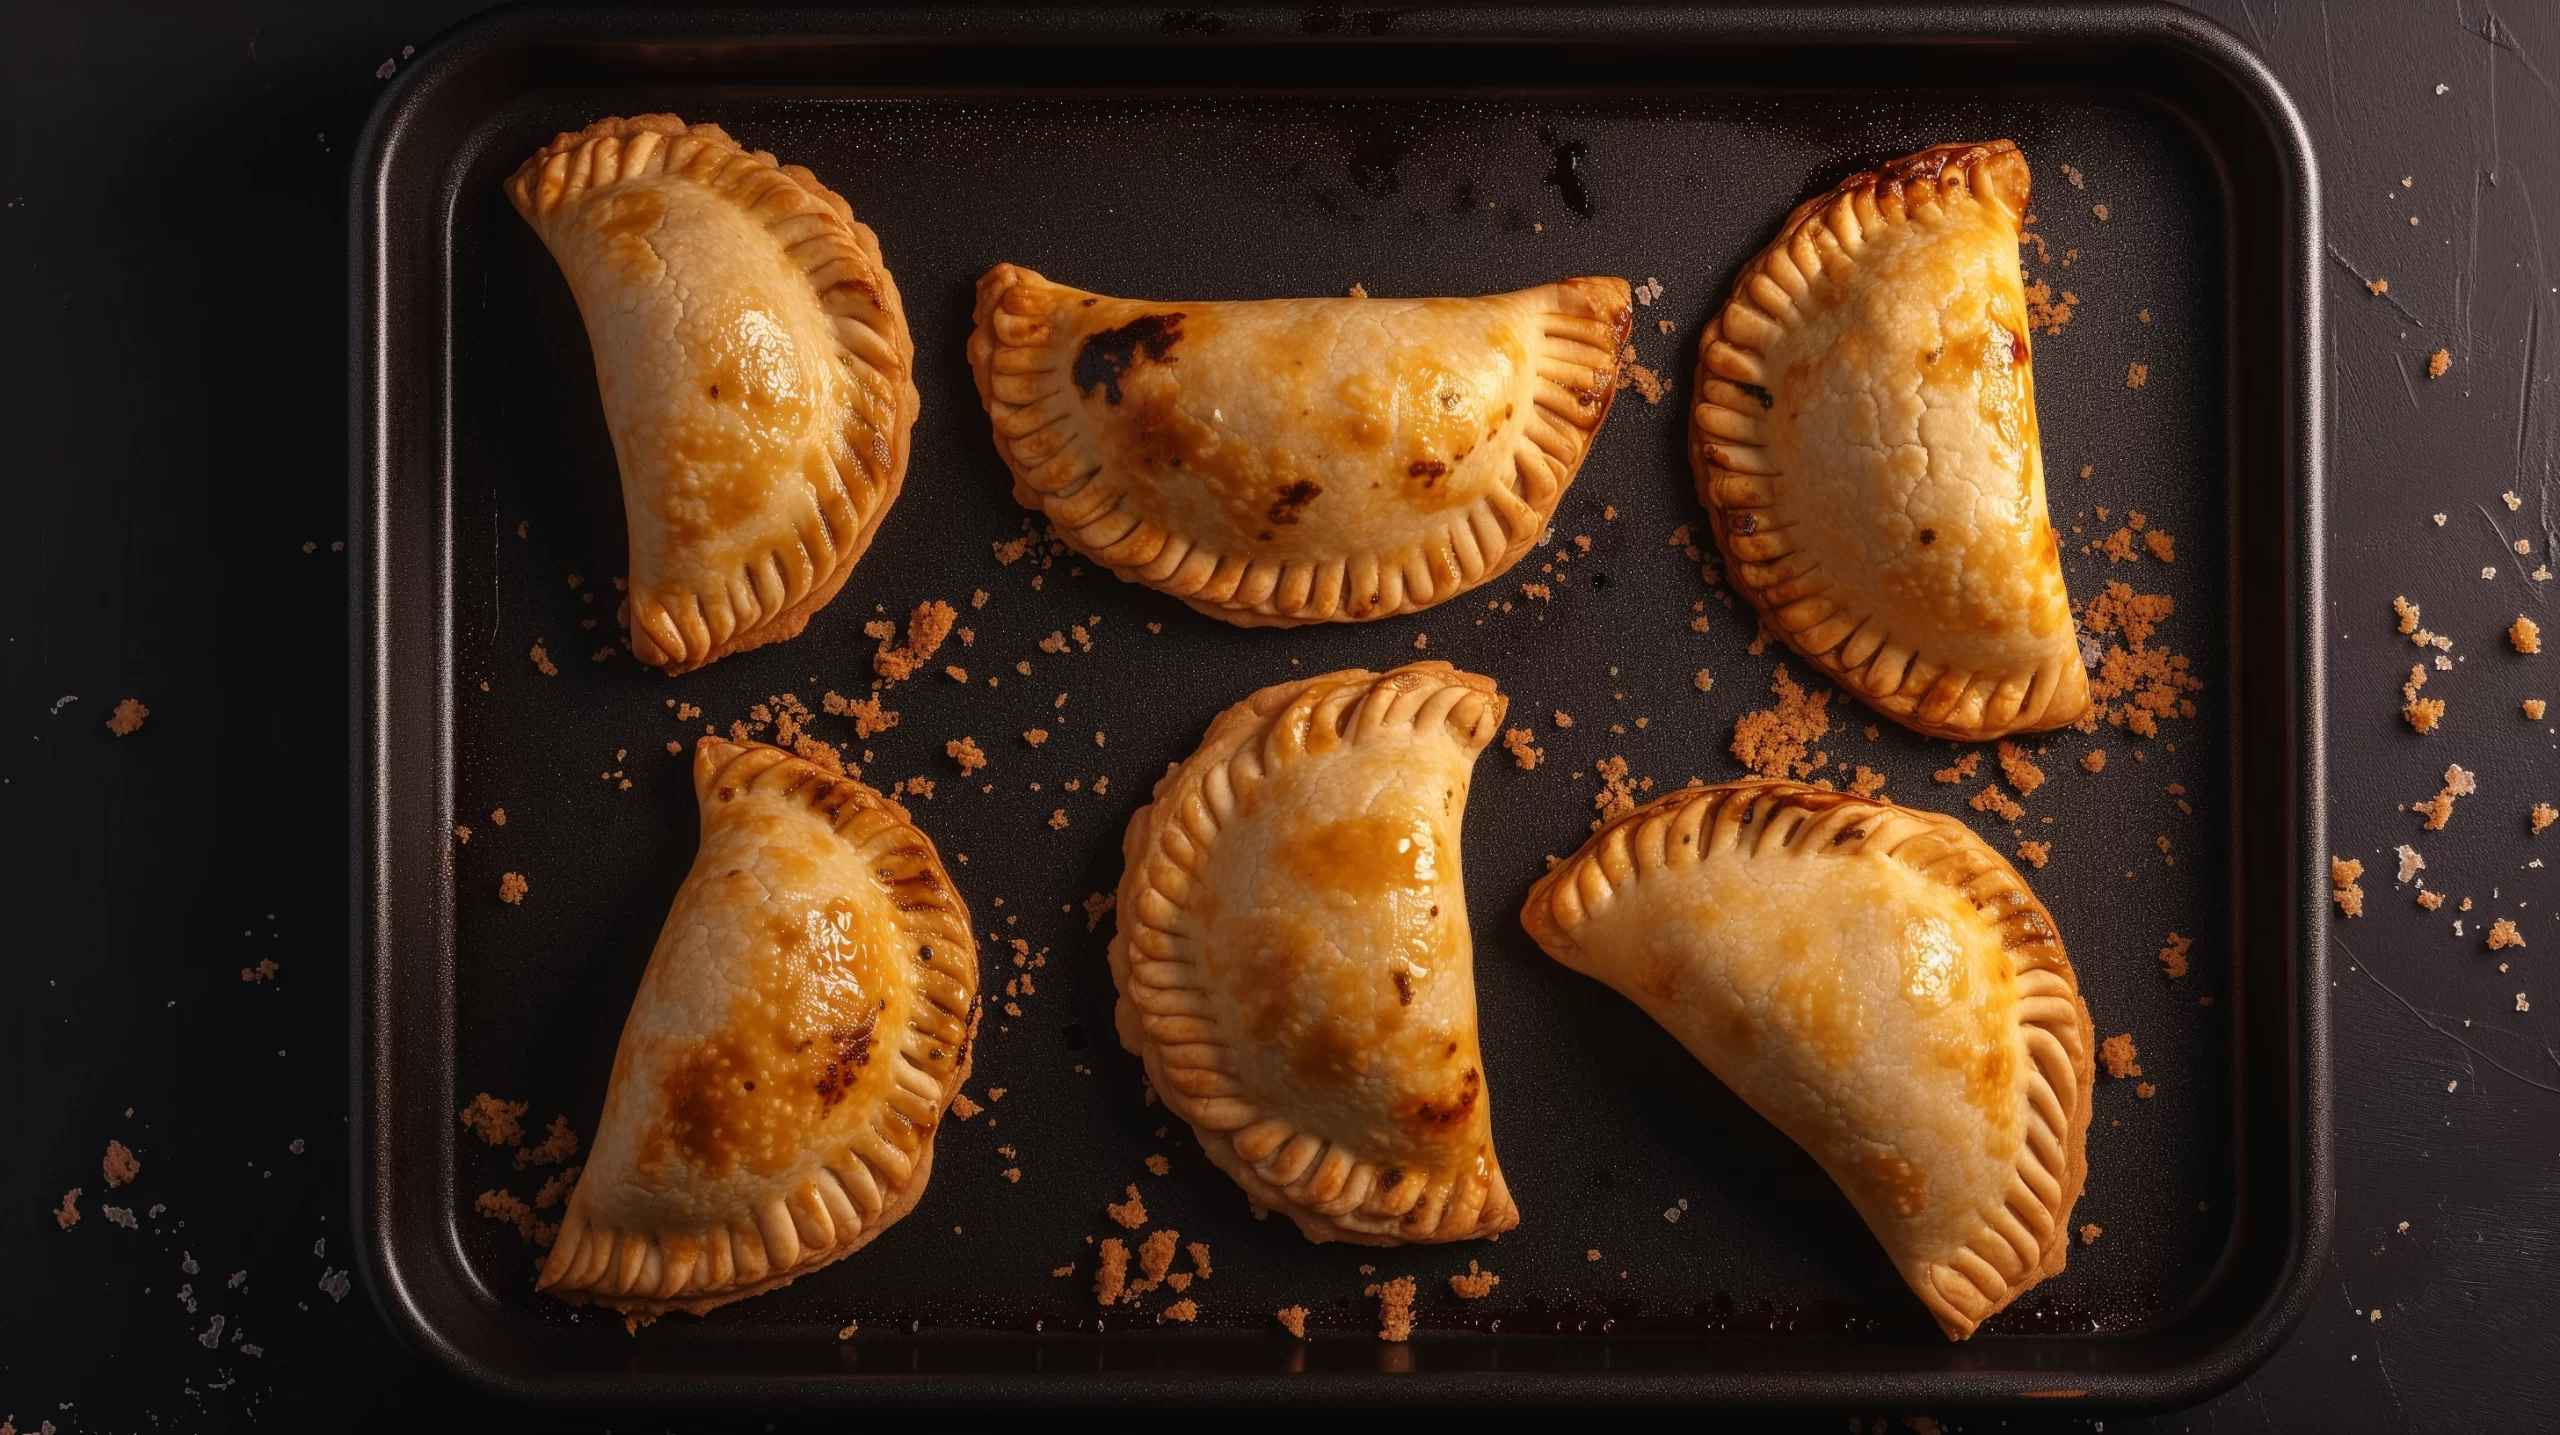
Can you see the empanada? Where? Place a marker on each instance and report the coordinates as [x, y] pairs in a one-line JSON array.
[[806, 1017], [1289, 461], [1878, 984], [1293, 959], [1864, 437], [755, 367]]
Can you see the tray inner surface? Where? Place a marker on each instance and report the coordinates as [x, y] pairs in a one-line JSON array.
[[1606, 1128]]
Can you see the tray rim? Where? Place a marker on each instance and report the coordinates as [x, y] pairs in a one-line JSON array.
[[374, 935]]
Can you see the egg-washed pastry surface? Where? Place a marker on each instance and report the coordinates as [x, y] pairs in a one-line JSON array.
[[1882, 987], [1293, 959], [1864, 438], [803, 1023], [1288, 461], [755, 367]]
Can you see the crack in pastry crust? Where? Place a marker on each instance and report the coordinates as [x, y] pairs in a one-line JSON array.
[[755, 368], [1289, 461], [1878, 983], [807, 1016], [1864, 440], [1293, 960]]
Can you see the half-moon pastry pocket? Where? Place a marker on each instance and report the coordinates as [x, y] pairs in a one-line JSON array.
[[755, 367], [1293, 958], [1878, 984], [1286, 461], [804, 1021], [1864, 439]]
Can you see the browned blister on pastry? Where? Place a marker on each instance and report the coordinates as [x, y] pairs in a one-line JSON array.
[[1293, 958], [1864, 438], [755, 367], [803, 1023], [1882, 987], [1288, 461]]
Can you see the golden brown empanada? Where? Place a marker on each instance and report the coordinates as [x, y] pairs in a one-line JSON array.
[[755, 366], [1293, 959], [806, 1017], [1290, 461], [1877, 983], [1864, 437]]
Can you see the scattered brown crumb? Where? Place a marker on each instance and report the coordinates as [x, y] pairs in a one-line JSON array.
[[2118, 1053], [511, 888], [2089, 1233], [265, 968], [2524, 633], [1158, 1165], [560, 1142], [1395, 1308], [1130, 1214], [128, 716], [2136, 375], [2378, 287], [2534, 709], [2543, 815], [1537, 592], [2145, 1090], [2173, 957], [2421, 713], [956, 673], [2095, 760], [2406, 611], [1704, 682], [557, 1189], [1036, 736], [963, 1107], [2035, 854], [1058, 819], [2438, 362], [1113, 1276], [1518, 742], [2147, 679], [1868, 782], [1772, 741], [1961, 770], [1183, 1311], [2043, 313], [2503, 934], [121, 1164], [2118, 547], [870, 716], [1095, 906], [1199, 1253], [498, 1123], [927, 628], [1293, 1318], [507, 1208], [1591, 1255], [542, 660], [1617, 794], [2022, 772], [1476, 1284], [1992, 799], [2163, 546], [966, 752], [2343, 875], [67, 1214], [462, 834], [2430, 900], [2458, 782]]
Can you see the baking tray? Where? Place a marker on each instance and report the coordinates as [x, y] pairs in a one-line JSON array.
[[1252, 152]]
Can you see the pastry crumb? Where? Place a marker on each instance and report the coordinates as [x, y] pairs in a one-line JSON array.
[[2430, 900], [966, 752], [2136, 375], [2421, 713], [1158, 1165], [1518, 742], [2524, 633], [542, 661], [2118, 1053], [1199, 1253], [2542, 816], [2094, 761], [1183, 1311], [2458, 782], [2406, 612], [120, 1164], [2344, 873], [2411, 864], [1476, 1284], [2534, 709], [1563, 718], [1097, 904], [2021, 770], [1773, 741], [1992, 799], [1129, 1214], [1704, 681], [512, 888], [1395, 1308], [2173, 956], [2035, 854], [1961, 770], [495, 1122], [1867, 782], [2503, 934], [963, 1107], [2089, 1233], [1293, 1318], [2438, 362], [1112, 1277], [128, 716], [559, 1143]]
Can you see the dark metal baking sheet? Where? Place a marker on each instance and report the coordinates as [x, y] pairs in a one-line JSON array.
[[1261, 153]]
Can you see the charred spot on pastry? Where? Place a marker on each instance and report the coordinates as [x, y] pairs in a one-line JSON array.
[[1429, 470], [1757, 392], [1102, 358], [727, 793], [849, 1052], [1392, 1178], [1746, 523], [1847, 834], [1292, 500], [2017, 348], [1427, 1113], [1404, 988], [1928, 536], [715, 391]]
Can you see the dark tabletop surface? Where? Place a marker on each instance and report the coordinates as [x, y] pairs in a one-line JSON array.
[[174, 450]]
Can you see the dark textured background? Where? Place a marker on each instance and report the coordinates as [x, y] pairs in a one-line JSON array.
[[171, 215]]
